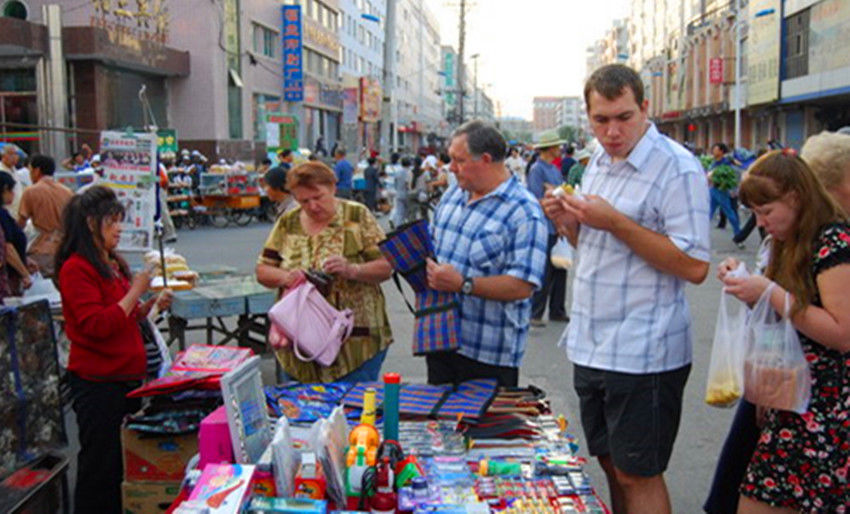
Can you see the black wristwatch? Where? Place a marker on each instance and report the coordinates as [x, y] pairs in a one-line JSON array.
[[466, 286]]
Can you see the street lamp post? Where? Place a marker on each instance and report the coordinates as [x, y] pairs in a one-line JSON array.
[[474, 58], [738, 29], [389, 114]]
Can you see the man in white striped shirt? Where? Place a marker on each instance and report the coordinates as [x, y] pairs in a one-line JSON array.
[[641, 231]]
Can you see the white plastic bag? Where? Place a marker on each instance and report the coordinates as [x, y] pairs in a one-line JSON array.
[[726, 368], [562, 254], [42, 289], [162, 347], [776, 374]]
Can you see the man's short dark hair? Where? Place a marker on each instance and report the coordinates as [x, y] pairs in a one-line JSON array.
[[276, 178], [371, 161], [46, 165], [7, 183], [722, 146], [570, 150], [483, 138], [283, 154], [395, 157], [444, 157], [339, 152], [611, 81], [266, 162]]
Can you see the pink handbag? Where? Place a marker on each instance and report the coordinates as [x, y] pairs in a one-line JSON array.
[[317, 329]]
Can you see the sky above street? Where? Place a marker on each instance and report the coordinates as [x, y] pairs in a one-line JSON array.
[[528, 47]]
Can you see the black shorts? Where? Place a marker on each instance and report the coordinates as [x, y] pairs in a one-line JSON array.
[[633, 418]]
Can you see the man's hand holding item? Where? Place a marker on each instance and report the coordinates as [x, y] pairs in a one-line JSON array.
[[443, 277]]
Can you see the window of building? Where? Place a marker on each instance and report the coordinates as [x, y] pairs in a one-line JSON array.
[[797, 45], [122, 84], [262, 105], [265, 40], [311, 9], [14, 9]]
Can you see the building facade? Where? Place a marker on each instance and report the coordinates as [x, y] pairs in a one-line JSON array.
[[572, 113], [795, 69], [361, 37], [515, 128], [547, 111], [420, 123], [66, 78]]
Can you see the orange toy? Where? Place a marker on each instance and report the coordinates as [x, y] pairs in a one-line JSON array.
[[363, 436]]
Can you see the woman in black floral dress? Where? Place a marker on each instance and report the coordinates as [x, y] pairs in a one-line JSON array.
[[802, 461]]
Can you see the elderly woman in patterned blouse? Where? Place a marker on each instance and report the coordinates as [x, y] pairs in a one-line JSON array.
[[339, 237]]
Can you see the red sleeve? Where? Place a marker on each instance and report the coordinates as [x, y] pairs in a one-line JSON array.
[[85, 301]]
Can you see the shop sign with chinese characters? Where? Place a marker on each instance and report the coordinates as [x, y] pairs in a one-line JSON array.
[[135, 19], [370, 99], [281, 133], [715, 70], [166, 141], [293, 69], [129, 168]]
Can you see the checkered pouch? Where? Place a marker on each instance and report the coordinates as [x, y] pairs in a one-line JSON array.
[[437, 325], [407, 249]]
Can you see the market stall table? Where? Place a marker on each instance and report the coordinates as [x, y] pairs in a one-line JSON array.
[[216, 299]]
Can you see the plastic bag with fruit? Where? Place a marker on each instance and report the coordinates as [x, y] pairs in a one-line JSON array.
[[726, 368], [562, 254]]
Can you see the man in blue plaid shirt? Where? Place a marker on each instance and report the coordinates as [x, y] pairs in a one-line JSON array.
[[490, 238]]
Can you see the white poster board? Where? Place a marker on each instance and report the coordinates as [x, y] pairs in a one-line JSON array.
[[129, 168]]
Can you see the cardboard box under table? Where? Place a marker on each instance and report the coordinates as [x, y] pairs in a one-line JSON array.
[[148, 497], [156, 458]]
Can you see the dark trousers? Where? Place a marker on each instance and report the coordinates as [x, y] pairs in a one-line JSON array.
[[454, 368], [747, 229], [371, 198], [100, 407], [734, 459], [554, 288]]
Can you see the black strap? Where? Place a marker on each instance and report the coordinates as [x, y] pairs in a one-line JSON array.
[[436, 308], [400, 290]]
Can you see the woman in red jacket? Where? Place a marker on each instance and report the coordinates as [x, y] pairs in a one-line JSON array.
[[102, 308]]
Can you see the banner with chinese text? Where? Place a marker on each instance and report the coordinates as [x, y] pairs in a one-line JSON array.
[[129, 168], [293, 70]]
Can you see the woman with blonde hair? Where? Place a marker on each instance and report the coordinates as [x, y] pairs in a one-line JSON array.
[[828, 154], [801, 461]]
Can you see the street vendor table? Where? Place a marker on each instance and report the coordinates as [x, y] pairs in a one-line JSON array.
[[216, 299]]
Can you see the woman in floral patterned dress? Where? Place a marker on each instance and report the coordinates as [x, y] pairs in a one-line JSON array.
[[339, 237], [802, 461]]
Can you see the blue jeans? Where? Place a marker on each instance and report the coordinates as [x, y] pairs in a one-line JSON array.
[[721, 199], [369, 371]]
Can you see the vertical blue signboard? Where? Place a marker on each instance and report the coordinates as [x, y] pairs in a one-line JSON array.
[[293, 70]]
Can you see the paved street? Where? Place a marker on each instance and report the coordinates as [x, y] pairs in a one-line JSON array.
[[703, 428]]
